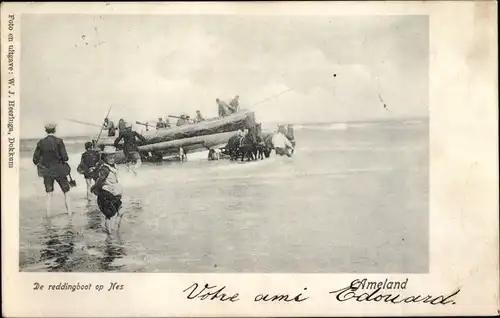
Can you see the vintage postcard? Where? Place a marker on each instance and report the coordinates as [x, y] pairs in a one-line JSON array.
[[249, 159]]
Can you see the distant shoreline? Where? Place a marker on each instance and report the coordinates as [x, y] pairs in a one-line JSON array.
[[275, 123]]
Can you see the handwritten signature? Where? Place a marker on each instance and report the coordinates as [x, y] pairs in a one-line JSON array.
[[353, 292]]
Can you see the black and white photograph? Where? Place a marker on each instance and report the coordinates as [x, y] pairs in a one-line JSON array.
[[224, 143], [254, 159]]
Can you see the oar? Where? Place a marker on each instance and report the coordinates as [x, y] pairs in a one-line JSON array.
[[82, 122], [144, 124], [102, 127]]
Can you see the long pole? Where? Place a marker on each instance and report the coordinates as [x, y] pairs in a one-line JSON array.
[[102, 127], [273, 96], [82, 122]]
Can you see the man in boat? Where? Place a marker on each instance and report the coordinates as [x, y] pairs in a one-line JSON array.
[[167, 123], [184, 119], [88, 164], [223, 108], [130, 147], [281, 144], [160, 124], [199, 118], [110, 126], [108, 190], [51, 159], [235, 104]]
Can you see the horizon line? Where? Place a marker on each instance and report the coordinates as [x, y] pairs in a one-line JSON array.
[[293, 123]]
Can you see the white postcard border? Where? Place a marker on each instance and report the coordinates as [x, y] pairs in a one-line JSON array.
[[463, 182]]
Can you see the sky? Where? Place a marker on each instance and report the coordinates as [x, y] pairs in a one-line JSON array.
[[77, 66]]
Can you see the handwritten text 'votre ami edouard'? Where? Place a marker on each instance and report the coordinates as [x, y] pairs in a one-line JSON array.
[[359, 290]]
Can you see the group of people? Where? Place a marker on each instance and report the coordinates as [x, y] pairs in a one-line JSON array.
[[162, 123], [96, 165], [226, 109], [181, 120], [112, 129]]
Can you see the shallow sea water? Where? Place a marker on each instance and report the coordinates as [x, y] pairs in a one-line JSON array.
[[354, 198]]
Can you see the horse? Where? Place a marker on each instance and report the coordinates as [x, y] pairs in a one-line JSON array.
[[268, 144], [245, 146], [261, 149], [233, 147], [248, 145]]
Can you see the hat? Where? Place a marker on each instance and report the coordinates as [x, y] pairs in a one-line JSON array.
[[50, 126], [108, 150], [128, 125]]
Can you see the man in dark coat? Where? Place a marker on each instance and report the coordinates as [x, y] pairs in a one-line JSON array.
[[87, 165], [130, 147], [51, 159]]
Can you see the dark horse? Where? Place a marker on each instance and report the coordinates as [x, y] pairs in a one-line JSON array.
[[244, 147], [262, 150]]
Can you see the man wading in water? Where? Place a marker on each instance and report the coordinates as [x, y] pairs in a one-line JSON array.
[[130, 147], [51, 158], [87, 165], [108, 190], [281, 144]]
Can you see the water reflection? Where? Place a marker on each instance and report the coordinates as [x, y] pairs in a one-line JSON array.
[[58, 247], [113, 250], [94, 220]]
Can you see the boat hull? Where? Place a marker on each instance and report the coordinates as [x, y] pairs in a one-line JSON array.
[[231, 123], [190, 145]]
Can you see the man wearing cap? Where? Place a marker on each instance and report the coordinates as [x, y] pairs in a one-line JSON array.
[[108, 190], [130, 147], [51, 159]]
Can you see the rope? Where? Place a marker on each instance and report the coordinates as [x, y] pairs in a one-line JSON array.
[[271, 97]]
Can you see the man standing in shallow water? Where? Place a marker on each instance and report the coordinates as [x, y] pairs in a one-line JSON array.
[[51, 159], [108, 190]]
